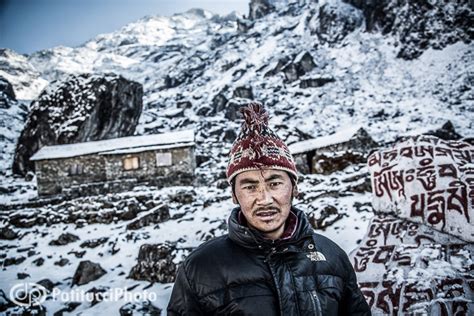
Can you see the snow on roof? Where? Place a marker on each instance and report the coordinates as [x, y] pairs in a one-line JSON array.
[[117, 145], [324, 141], [145, 148]]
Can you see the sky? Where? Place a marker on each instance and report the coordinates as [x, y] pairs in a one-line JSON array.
[[27, 26]]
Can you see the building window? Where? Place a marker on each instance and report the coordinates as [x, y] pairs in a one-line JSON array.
[[131, 163], [75, 169], [163, 159]]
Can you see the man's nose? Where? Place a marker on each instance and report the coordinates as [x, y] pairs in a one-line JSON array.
[[264, 197]]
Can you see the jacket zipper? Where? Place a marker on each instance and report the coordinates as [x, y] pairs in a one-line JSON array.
[[267, 260], [316, 303]]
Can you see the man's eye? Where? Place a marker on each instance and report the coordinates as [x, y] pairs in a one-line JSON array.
[[275, 184], [249, 187]]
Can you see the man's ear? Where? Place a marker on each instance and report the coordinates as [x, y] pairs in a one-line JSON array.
[[234, 198], [295, 191]]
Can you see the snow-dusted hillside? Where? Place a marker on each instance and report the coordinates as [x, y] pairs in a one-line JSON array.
[[195, 57]]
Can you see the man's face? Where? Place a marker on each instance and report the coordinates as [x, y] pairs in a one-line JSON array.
[[265, 197]]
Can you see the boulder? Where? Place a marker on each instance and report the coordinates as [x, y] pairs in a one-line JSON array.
[[47, 284], [243, 25], [6, 233], [38, 262], [93, 243], [12, 261], [325, 217], [204, 110], [183, 197], [80, 108], [184, 105], [315, 82], [446, 132], [291, 72], [5, 302], [304, 61], [22, 275], [334, 21], [61, 262], [329, 163], [156, 215], [86, 272], [69, 307], [7, 95], [276, 67], [64, 239], [375, 13], [155, 264], [259, 8], [232, 109], [243, 92], [97, 294], [218, 102], [229, 135], [301, 64], [144, 308]]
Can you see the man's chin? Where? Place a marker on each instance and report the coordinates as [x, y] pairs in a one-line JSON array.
[[267, 228]]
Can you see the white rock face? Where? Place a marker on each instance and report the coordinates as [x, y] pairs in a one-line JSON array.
[[23, 76], [427, 180]]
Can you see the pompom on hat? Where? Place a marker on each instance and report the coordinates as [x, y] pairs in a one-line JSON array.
[[257, 147]]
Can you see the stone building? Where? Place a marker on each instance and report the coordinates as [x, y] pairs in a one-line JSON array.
[[115, 165], [333, 152]]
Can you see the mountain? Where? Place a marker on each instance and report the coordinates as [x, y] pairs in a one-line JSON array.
[[395, 68]]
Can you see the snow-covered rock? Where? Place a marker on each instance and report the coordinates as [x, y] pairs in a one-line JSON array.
[[78, 109], [155, 264], [419, 25]]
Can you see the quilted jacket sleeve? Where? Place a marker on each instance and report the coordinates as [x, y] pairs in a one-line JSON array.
[[353, 302], [183, 300]]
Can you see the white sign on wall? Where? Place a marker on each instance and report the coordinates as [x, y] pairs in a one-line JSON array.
[[163, 159]]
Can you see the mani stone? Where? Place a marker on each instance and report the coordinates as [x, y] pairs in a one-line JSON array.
[[427, 180]]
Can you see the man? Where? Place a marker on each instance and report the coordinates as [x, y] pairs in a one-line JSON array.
[[271, 262]]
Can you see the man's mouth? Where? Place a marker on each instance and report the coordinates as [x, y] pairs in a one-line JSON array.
[[266, 214]]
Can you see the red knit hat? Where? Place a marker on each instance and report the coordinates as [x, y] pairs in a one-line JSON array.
[[257, 146]]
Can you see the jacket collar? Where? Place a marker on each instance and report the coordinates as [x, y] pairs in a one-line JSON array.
[[296, 227]]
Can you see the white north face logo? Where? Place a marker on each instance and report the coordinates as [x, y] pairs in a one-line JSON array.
[[316, 256]]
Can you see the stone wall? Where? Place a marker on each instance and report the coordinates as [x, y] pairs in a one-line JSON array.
[[54, 175], [105, 173], [182, 161]]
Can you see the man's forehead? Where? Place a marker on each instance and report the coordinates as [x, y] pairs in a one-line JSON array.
[[258, 175]]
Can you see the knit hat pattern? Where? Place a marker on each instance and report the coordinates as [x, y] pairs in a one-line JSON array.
[[257, 147]]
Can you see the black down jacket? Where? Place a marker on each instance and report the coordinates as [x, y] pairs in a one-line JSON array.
[[244, 274]]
